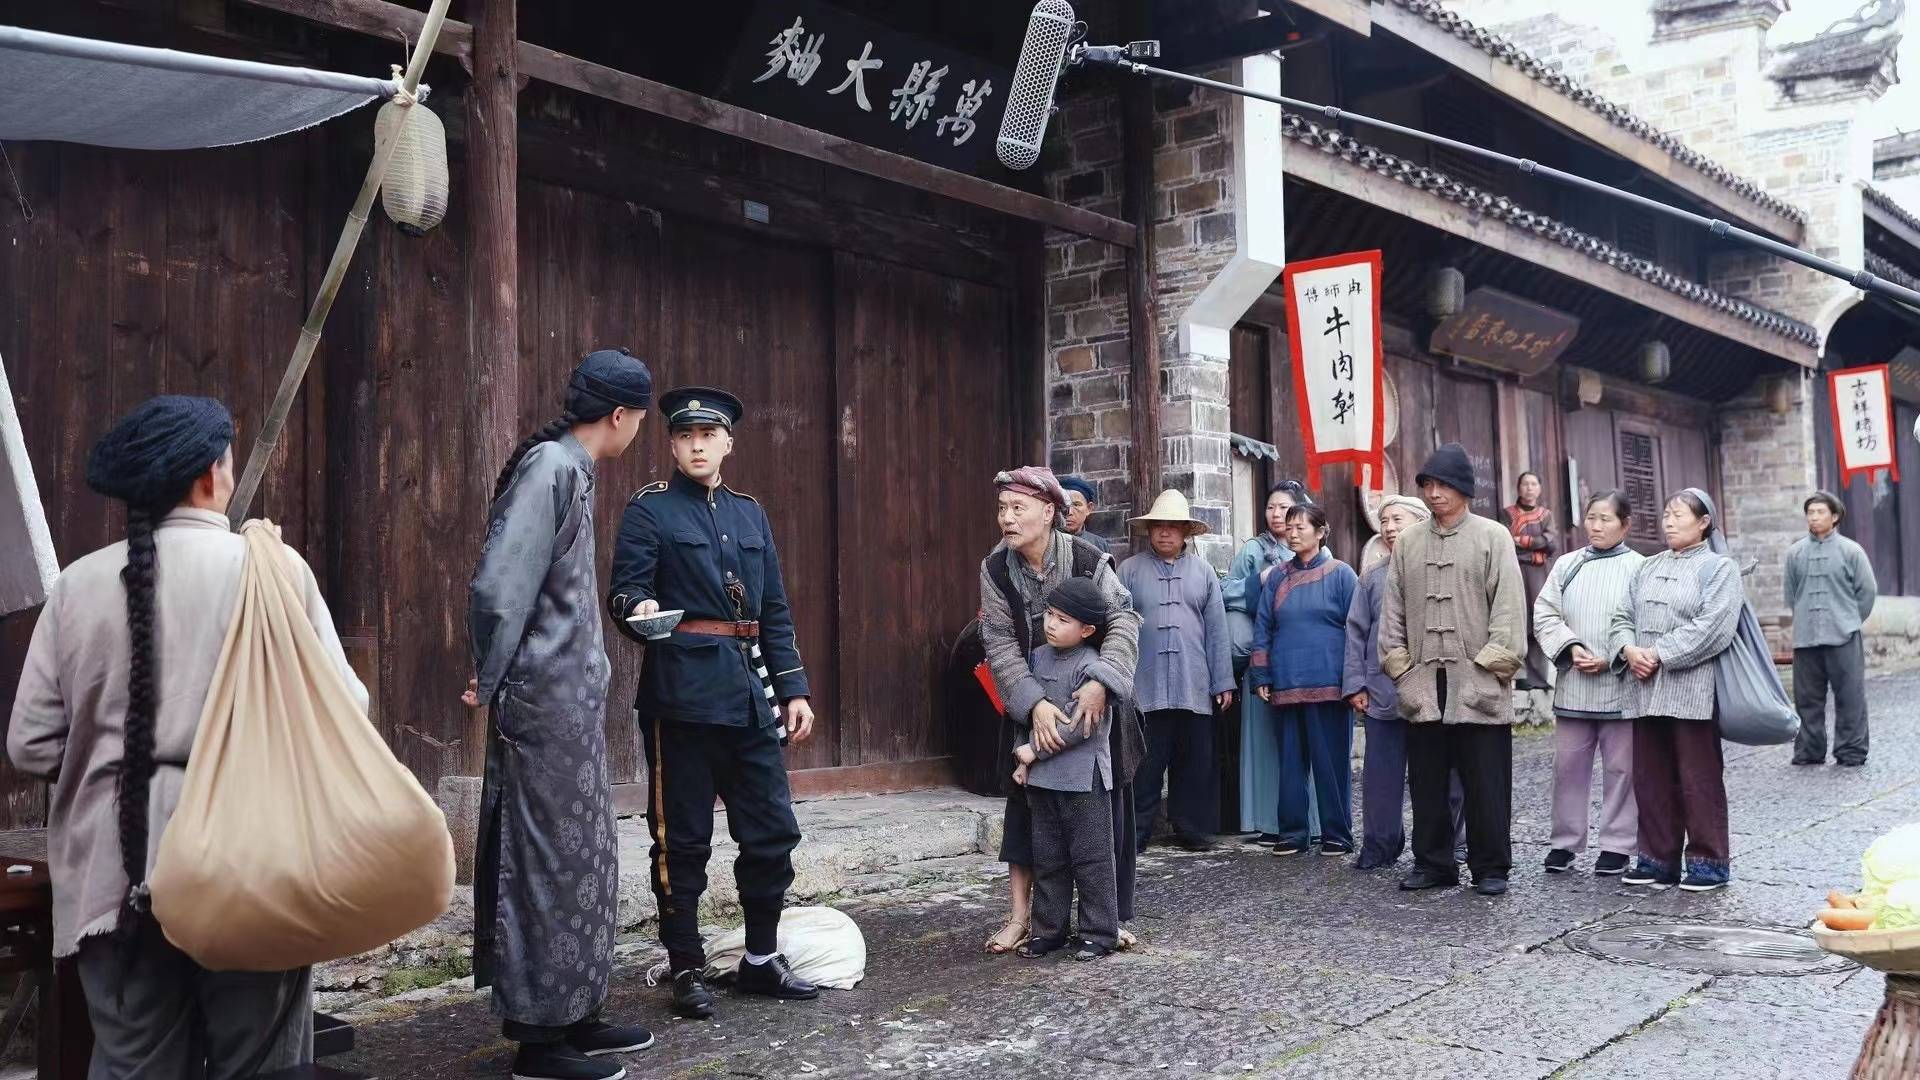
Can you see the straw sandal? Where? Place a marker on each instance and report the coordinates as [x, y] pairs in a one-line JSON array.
[[1126, 940], [1011, 937]]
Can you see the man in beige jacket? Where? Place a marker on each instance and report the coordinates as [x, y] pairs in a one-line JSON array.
[[1453, 626]]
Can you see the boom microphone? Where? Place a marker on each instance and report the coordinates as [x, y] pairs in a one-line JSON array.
[[1035, 77]]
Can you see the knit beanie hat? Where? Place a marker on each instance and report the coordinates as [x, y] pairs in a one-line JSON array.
[[1080, 598], [1450, 466]]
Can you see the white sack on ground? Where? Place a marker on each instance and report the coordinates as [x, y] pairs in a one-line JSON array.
[[822, 944]]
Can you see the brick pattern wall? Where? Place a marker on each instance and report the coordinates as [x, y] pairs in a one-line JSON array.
[[1089, 391], [1767, 468]]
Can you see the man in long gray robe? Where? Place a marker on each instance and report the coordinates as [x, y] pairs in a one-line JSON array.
[[547, 870]]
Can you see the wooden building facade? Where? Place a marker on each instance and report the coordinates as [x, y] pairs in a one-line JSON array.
[[881, 317]]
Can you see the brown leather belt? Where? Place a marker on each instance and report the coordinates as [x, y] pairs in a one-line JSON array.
[[719, 628]]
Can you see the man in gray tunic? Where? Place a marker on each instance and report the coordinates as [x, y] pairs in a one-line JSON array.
[[1185, 670], [547, 867], [1831, 589]]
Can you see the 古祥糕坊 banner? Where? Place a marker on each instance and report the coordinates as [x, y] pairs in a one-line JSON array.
[[1863, 422], [1333, 333]]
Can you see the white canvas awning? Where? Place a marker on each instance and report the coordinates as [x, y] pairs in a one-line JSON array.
[[27, 562], [101, 93]]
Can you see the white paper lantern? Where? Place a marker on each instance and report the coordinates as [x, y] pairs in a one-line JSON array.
[[414, 192]]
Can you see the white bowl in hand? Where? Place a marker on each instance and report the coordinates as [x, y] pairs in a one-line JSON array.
[[657, 625]]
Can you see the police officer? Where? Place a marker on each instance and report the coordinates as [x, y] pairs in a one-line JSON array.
[[712, 718]]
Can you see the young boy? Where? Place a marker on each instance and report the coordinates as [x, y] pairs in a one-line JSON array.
[[1068, 789]]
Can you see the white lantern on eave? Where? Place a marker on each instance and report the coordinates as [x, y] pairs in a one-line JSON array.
[[414, 191]]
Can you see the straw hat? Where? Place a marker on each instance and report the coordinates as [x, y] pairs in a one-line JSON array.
[[1171, 509]]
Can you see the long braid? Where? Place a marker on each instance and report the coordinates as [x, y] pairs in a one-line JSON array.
[[553, 430], [143, 680]]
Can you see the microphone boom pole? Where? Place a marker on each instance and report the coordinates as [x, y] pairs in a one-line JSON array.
[[1122, 57]]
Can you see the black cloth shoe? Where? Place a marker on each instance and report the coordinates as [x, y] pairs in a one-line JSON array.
[[1369, 861], [1089, 950], [1194, 842], [1423, 878], [1646, 873], [596, 1037], [691, 998], [558, 1061], [1265, 839], [1610, 863], [1808, 761], [773, 979], [1850, 764], [1558, 860], [1491, 886], [1035, 948], [1336, 849]]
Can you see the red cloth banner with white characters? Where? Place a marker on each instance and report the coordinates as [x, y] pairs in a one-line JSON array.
[[1333, 333], [1863, 422]]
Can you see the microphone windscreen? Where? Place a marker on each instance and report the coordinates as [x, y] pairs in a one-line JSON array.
[[1035, 77]]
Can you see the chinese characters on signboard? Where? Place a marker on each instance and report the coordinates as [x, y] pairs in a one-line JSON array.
[[836, 72], [1506, 332], [1333, 333], [1863, 422]]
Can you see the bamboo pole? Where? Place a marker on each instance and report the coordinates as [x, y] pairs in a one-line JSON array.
[[265, 443]]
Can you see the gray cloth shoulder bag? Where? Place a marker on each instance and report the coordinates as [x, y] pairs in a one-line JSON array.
[[1748, 701]]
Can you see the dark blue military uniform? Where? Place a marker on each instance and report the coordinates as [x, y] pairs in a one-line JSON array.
[[706, 715]]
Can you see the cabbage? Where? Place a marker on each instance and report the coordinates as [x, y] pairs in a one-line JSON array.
[[1900, 908], [1892, 859]]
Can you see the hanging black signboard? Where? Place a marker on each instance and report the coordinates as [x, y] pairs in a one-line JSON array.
[[839, 73]]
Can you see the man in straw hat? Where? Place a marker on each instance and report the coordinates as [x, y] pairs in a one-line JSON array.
[[1185, 671]]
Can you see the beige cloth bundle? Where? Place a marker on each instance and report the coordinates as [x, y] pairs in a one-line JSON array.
[[298, 838]]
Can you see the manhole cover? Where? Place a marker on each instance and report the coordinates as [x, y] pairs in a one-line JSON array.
[[1708, 949]]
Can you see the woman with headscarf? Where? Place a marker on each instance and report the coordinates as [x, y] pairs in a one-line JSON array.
[[1259, 748], [1031, 560], [117, 675], [1681, 611], [1383, 775], [1571, 619], [546, 867], [1299, 645]]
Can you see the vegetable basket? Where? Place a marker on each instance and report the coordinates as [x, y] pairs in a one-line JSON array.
[[1896, 951]]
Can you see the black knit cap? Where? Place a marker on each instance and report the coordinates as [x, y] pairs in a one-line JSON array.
[[153, 455], [608, 379], [1451, 466], [1080, 598]]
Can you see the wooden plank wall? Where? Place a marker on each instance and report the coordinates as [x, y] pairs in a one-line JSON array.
[[140, 274], [880, 388]]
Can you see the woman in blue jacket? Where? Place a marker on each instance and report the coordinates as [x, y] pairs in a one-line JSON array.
[[1299, 651]]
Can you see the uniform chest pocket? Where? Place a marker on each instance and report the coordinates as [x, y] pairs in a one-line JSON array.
[[753, 550]]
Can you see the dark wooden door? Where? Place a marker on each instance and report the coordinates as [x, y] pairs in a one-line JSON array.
[[755, 317], [925, 417], [1466, 411], [140, 274], [591, 277]]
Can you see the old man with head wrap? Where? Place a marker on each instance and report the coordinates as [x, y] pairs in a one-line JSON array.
[[1383, 783], [1031, 560]]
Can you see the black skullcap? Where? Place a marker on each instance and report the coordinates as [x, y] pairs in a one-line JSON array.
[[1080, 598], [152, 456], [608, 379], [1074, 483]]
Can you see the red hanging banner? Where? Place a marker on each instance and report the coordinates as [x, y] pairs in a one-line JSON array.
[[1862, 400], [1333, 334]]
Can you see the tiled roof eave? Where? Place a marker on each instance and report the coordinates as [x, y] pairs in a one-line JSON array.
[[1504, 50], [1330, 141], [1885, 202]]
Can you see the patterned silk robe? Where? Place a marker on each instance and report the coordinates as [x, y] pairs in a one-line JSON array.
[[547, 868]]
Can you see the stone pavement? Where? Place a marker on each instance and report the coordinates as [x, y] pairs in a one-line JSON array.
[[1304, 967]]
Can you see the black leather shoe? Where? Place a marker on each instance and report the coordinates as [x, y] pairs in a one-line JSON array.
[[691, 998], [1422, 878], [773, 979]]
